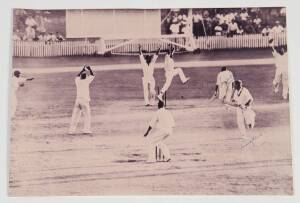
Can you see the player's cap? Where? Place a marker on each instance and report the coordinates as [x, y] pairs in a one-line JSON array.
[[223, 68], [238, 82], [17, 72]]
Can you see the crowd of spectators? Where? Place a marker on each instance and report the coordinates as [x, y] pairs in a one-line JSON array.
[[176, 22], [221, 22], [34, 29], [204, 22]]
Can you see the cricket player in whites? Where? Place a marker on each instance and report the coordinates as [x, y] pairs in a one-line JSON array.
[[17, 81], [82, 103], [281, 74], [224, 85], [164, 123], [171, 72], [147, 62], [242, 100]]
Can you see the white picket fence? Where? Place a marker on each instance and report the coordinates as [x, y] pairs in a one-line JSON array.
[[83, 47]]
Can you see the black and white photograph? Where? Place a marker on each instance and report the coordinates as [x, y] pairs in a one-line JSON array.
[[178, 101]]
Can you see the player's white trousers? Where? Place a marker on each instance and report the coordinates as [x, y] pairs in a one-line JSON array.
[[14, 103], [225, 91], [149, 90], [277, 77], [157, 139], [281, 76], [245, 119], [81, 107], [285, 85], [169, 77]]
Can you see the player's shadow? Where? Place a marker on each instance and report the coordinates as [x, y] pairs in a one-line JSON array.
[[262, 119], [228, 120], [268, 119]]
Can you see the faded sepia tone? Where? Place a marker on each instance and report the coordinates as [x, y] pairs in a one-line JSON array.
[[222, 126]]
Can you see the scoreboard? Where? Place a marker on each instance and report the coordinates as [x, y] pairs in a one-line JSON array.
[[113, 23]]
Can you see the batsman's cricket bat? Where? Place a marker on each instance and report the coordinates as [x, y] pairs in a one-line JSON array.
[[231, 105]]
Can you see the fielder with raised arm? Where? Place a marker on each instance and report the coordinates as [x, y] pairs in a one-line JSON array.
[[147, 62], [82, 103], [224, 85], [242, 100], [171, 72], [281, 74], [163, 122], [17, 81]]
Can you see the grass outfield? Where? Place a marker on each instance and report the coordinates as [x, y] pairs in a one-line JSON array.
[[215, 55], [207, 154]]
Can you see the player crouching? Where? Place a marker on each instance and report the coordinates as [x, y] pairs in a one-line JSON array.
[[242, 100], [164, 123], [82, 103]]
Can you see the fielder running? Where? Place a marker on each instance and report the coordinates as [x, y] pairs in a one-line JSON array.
[[82, 103], [244, 114], [281, 74], [164, 123], [17, 81], [147, 62], [224, 87], [171, 72]]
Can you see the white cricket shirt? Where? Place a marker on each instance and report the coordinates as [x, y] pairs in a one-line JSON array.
[[169, 63], [83, 87], [225, 77], [281, 61], [277, 29], [16, 83], [163, 120], [148, 69], [242, 96]]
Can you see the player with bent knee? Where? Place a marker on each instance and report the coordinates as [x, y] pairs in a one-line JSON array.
[[171, 72], [243, 100], [163, 122]]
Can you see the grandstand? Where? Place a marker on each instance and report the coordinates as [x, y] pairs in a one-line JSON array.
[[99, 42]]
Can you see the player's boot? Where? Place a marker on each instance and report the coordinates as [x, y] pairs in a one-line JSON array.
[[187, 79], [160, 97], [71, 132], [276, 88]]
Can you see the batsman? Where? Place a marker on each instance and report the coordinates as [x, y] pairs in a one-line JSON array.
[[242, 100]]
